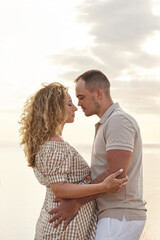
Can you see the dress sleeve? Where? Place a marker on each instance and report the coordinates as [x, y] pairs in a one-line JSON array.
[[52, 165]]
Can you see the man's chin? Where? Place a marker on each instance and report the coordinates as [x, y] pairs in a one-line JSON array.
[[87, 114]]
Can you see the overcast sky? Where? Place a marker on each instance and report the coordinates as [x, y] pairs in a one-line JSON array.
[[56, 40]]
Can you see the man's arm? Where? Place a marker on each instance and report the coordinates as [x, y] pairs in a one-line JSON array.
[[117, 159]]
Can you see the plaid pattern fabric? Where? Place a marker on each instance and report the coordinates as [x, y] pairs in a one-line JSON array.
[[57, 162]]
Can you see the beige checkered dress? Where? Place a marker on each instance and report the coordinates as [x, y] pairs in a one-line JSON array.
[[60, 162]]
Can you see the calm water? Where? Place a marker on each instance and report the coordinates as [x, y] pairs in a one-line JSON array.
[[21, 196]]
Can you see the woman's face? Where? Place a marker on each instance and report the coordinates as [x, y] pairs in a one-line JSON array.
[[70, 109]]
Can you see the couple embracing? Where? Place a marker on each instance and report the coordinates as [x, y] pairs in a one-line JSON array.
[[104, 202]]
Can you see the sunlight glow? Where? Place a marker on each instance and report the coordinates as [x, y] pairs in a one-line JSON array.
[[33, 33], [156, 9], [152, 45]]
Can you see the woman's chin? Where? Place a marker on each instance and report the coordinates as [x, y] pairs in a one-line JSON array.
[[70, 121]]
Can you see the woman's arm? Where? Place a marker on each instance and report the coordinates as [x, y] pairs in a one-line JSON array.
[[68, 190]]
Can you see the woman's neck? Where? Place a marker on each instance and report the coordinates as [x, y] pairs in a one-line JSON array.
[[57, 138]]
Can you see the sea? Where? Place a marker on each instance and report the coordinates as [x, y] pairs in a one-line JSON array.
[[21, 196]]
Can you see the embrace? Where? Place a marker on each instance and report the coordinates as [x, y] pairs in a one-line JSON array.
[[104, 202]]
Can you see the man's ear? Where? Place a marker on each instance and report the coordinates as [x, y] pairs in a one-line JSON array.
[[99, 93]]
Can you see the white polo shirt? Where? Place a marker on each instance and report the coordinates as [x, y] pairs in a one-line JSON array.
[[118, 130]]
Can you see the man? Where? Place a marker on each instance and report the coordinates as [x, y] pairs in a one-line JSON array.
[[117, 144]]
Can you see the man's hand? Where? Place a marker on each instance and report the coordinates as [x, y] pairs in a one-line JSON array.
[[66, 210]]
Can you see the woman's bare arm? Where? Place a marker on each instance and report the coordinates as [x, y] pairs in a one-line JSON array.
[[68, 190]]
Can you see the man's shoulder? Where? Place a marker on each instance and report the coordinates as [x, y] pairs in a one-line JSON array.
[[119, 119], [119, 115]]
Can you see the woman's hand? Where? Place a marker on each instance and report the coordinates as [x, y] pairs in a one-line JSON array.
[[113, 184]]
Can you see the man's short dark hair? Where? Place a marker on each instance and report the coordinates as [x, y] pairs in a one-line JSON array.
[[95, 79]]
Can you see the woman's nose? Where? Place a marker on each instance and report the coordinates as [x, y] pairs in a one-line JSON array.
[[75, 108]]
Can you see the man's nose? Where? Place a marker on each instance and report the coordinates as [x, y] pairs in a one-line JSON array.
[[79, 103]]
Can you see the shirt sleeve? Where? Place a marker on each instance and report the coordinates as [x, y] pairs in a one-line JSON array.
[[52, 165], [120, 134]]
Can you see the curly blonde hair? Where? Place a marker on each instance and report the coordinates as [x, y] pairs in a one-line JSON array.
[[43, 116]]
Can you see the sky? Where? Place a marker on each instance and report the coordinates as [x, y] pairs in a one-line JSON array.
[[56, 40]]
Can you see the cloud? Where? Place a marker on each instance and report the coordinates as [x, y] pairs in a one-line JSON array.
[[138, 96], [126, 23], [119, 30], [73, 57], [76, 61]]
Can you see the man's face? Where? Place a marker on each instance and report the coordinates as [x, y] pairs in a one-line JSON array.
[[86, 99]]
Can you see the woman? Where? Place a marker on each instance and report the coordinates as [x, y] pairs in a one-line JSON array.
[[57, 165]]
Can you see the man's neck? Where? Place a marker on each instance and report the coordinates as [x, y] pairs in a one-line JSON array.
[[104, 107]]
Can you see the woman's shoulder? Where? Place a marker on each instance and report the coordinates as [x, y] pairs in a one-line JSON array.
[[54, 146], [52, 150]]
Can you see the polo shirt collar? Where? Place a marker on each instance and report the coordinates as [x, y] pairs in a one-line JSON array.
[[108, 112]]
